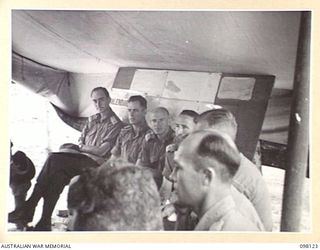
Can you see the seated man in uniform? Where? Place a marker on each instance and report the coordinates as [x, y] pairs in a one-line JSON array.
[[97, 139], [248, 180], [206, 161], [129, 142], [119, 197], [185, 123], [154, 145]]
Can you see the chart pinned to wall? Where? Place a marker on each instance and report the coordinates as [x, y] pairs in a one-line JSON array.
[[150, 82], [238, 88], [192, 86]]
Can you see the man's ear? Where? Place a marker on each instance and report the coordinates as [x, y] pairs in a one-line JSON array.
[[208, 176], [145, 112], [109, 100], [87, 206]]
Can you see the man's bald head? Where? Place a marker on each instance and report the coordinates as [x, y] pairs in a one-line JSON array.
[[158, 119], [211, 149], [161, 110]]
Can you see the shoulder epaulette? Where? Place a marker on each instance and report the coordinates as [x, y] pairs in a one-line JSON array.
[[93, 117], [114, 120], [126, 129]]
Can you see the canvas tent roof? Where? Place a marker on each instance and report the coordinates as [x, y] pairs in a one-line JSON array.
[[84, 48]]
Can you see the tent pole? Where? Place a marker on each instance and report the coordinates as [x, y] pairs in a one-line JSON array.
[[298, 141]]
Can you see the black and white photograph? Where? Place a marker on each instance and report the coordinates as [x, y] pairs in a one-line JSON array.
[[160, 121]]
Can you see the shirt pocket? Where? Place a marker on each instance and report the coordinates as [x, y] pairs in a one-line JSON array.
[[91, 134]]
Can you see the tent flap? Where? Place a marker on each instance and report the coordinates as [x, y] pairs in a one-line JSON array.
[[48, 82]]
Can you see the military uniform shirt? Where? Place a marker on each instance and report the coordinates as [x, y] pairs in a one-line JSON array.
[[249, 181], [98, 131], [153, 152], [129, 144], [223, 216]]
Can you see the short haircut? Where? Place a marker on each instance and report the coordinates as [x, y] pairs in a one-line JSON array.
[[140, 99], [219, 117], [159, 110], [103, 89], [193, 114], [116, 197], [219, 152]]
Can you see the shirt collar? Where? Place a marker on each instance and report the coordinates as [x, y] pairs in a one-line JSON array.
[[215, 213], [107, 117], [169, 136], [167, 139], [141, 129], [144, 127]]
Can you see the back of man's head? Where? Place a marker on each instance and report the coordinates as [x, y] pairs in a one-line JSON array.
[[118, 197], [214, 150], [218, 119], [140, 99], [191, 113]]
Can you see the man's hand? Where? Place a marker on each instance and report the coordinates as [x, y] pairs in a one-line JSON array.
[[167, 210], [171, 148]]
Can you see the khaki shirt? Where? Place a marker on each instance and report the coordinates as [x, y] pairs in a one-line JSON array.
[[129, 143], [98, 131], [153, 153], [249, 181], [224, 216], [154, 150], [169, 161]]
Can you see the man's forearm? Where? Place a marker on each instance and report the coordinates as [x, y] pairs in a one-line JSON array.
[[96, 150]]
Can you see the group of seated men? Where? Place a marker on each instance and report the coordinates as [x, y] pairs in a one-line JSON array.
[[134, 176]]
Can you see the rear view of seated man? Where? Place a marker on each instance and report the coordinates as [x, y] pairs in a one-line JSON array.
[[121, 197], [206, 162], [97, 139], [248, 180], [129, 142], [152, 155]]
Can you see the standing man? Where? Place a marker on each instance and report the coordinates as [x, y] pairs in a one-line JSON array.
[[206, 163], [154, 145], [248, 180], [129, 142], [97, 139]]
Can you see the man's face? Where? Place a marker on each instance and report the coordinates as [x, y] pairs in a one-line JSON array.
[[184, 125], [136, 113], [100, 101], [159, 122], [187, 181]]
